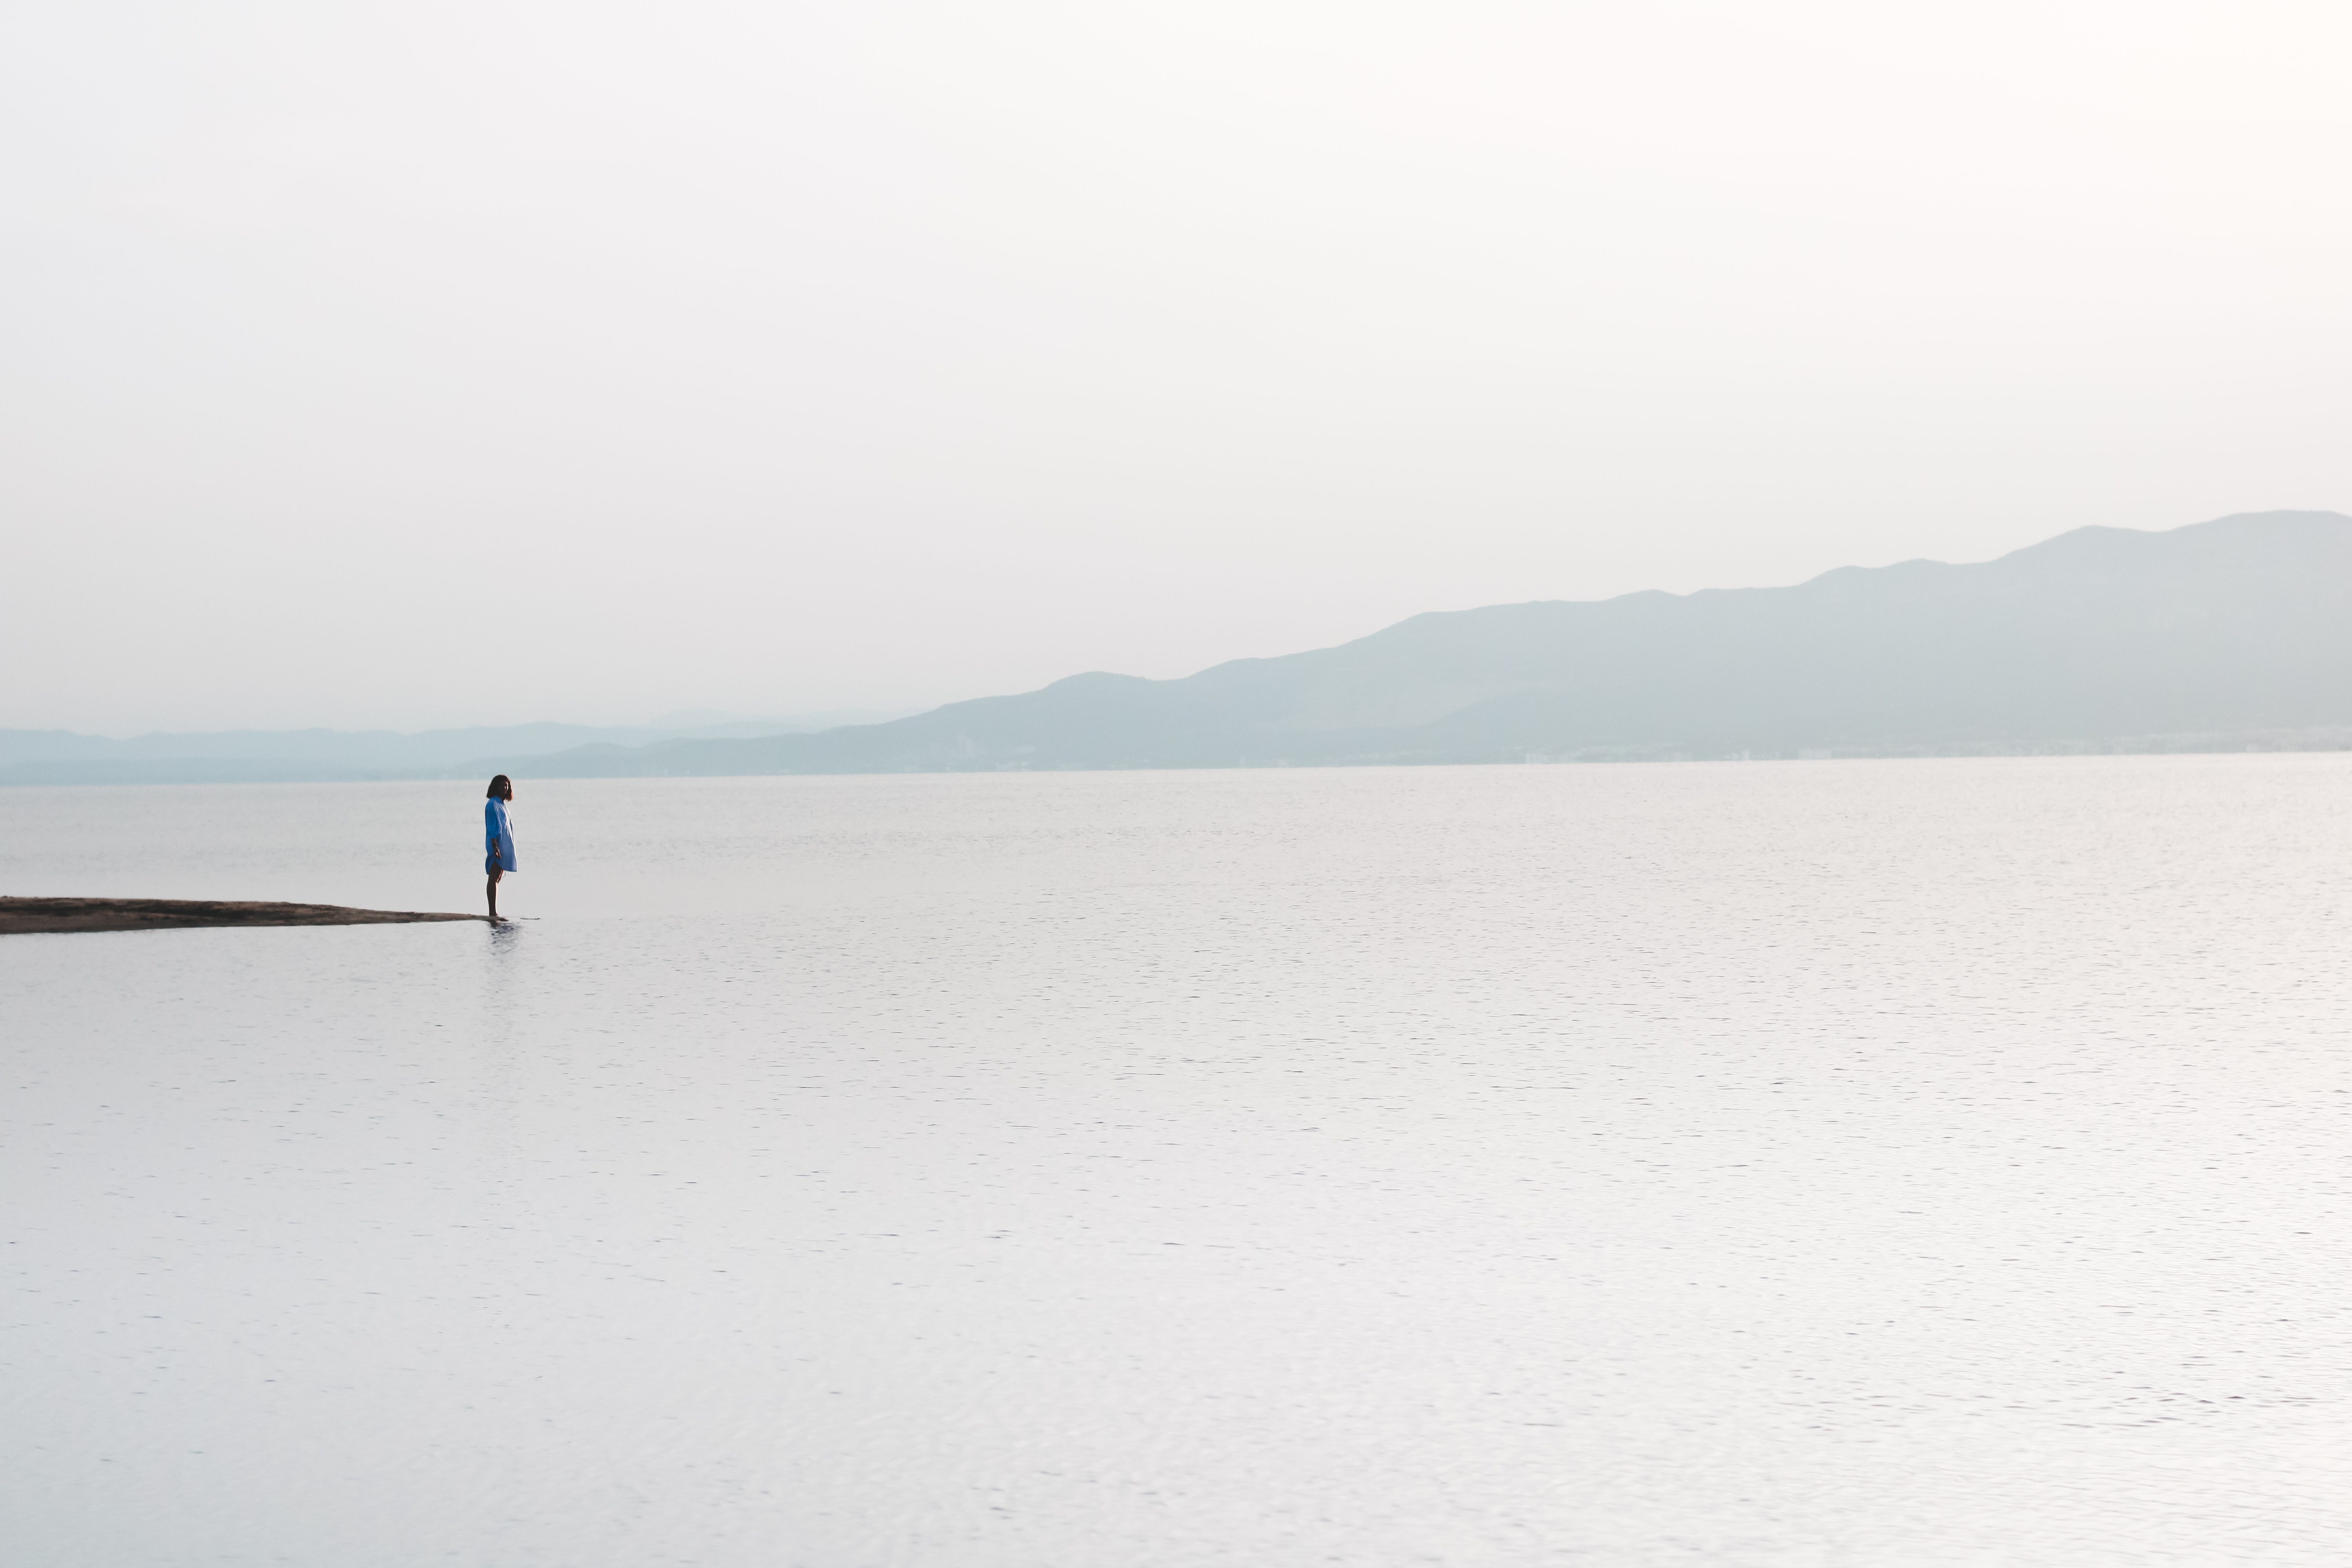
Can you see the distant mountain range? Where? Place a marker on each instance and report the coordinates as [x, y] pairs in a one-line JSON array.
[[2224, 635], [60, 756]]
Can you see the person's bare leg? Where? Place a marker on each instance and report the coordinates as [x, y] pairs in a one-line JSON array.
[[494, 895]]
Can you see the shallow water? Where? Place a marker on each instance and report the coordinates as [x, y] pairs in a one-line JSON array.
[[1849, 1162]]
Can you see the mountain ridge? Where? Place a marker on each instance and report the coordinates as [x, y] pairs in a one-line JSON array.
[[2232, 631], [2237, 628]]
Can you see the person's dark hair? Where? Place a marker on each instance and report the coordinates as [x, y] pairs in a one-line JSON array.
[[499, 786]]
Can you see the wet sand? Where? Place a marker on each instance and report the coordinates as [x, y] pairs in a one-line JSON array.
[[21, 916]]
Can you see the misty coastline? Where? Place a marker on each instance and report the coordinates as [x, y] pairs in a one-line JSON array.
[[2228, 636]]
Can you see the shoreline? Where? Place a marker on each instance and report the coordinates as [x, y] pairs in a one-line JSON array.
[[26, 917]]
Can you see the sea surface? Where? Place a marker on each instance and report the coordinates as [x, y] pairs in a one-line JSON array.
[[1894, 1162]]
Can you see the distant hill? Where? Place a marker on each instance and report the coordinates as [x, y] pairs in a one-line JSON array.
[[59, 756], [2227, 634]]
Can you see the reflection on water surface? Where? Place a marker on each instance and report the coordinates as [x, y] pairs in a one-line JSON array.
[[1874, 1163]]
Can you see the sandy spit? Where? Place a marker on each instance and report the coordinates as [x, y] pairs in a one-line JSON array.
[[22, 916]]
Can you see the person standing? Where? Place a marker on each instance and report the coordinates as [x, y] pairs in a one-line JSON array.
[[497, 837]]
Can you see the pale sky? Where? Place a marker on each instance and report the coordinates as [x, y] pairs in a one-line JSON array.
[[428, 364]]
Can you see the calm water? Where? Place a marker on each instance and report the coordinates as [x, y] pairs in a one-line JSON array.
[[1870, 1164]]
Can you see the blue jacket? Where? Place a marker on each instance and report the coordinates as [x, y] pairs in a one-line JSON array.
[[498, 835]]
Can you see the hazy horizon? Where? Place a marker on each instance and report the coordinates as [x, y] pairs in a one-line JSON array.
[[442, 367], [2225, 634], [686, 720], [677, 720]]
